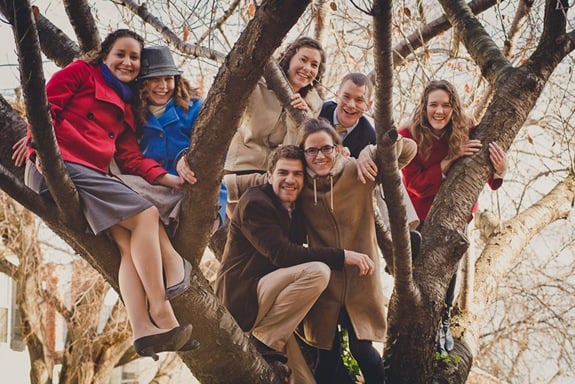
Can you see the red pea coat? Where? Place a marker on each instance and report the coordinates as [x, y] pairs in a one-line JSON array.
[[93, 124]]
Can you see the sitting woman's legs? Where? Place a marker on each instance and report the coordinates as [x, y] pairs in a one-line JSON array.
[[131, 289], [171, 259], [147, 259]]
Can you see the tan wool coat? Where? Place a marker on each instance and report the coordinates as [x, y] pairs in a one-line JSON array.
[[339, 213], [264, 126]]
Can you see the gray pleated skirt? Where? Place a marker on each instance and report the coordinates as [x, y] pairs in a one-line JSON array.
[[105, 200]]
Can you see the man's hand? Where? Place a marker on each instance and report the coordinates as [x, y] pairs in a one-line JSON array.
[[361, 260]]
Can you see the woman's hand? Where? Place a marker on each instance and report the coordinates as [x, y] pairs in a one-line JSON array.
[[171, 181], [20, 152], [298, 102], [185, 171], [498, 159], [344, 151], [366, 168], [469, 148]]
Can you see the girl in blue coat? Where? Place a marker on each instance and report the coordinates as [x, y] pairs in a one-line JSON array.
[[166, 114]]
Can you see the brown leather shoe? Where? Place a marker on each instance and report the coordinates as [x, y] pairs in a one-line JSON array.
[[282, 370], [269, 354]]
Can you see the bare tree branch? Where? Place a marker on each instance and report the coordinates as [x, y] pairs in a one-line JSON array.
[[6, 267], [523, 10], [479, 44], [218, 23], [33, 84], [170, 36], [322, 18], [84, 25], [56, 45], [432, 29], [505, 246]]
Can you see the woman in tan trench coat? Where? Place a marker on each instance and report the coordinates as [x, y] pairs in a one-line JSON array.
[[339, 213]]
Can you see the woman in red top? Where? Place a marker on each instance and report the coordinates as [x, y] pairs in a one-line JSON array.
[[441, 130], [93, 121]]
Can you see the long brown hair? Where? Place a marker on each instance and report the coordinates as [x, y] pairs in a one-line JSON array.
[[457, 129], [183, 94], [290, 52]]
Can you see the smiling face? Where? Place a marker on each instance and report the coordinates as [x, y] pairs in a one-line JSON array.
[[322, 162], [303, 67], [287, 180], [352, 103], [438, 110], [159, 90], [123, 59]]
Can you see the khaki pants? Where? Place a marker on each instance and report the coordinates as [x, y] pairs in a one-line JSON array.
[[285, 297]]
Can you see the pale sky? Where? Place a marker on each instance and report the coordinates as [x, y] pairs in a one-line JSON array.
[[54, 10]]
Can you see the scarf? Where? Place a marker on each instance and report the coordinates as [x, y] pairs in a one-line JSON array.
[[122, 89]]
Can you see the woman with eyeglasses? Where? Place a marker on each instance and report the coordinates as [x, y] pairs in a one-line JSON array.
[[339, 213]]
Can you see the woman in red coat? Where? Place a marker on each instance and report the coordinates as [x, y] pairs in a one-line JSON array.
[[93, 121], [441, 130]]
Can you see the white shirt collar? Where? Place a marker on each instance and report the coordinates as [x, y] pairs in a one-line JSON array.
[[336, 122]]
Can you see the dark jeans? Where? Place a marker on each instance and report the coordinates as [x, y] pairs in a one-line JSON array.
[[330, 369]]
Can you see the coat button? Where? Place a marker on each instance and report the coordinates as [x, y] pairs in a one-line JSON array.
[[111, 135], [90, 116], [162, 134]]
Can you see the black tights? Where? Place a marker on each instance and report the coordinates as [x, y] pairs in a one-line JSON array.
[[330, 368]]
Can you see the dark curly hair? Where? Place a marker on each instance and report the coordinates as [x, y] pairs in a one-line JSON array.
[[292, 49], [96, 57]]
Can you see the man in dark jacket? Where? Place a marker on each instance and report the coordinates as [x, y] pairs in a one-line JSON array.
[[354, 99], [267, 279]]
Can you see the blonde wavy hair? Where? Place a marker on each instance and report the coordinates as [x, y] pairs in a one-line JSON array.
[[457, 129], [183, 94]]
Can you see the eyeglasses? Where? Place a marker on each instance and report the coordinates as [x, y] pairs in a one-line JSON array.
[[312, 151]]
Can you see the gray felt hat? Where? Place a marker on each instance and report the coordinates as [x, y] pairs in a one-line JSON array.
[[157, 61]]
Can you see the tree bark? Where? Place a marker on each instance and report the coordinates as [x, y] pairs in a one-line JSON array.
[[83, 22], [213, 132], [55, 44], [33, 84]]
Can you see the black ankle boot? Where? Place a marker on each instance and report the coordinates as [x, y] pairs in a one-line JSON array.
[[415, 240], [445, 323], [446, 342]]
